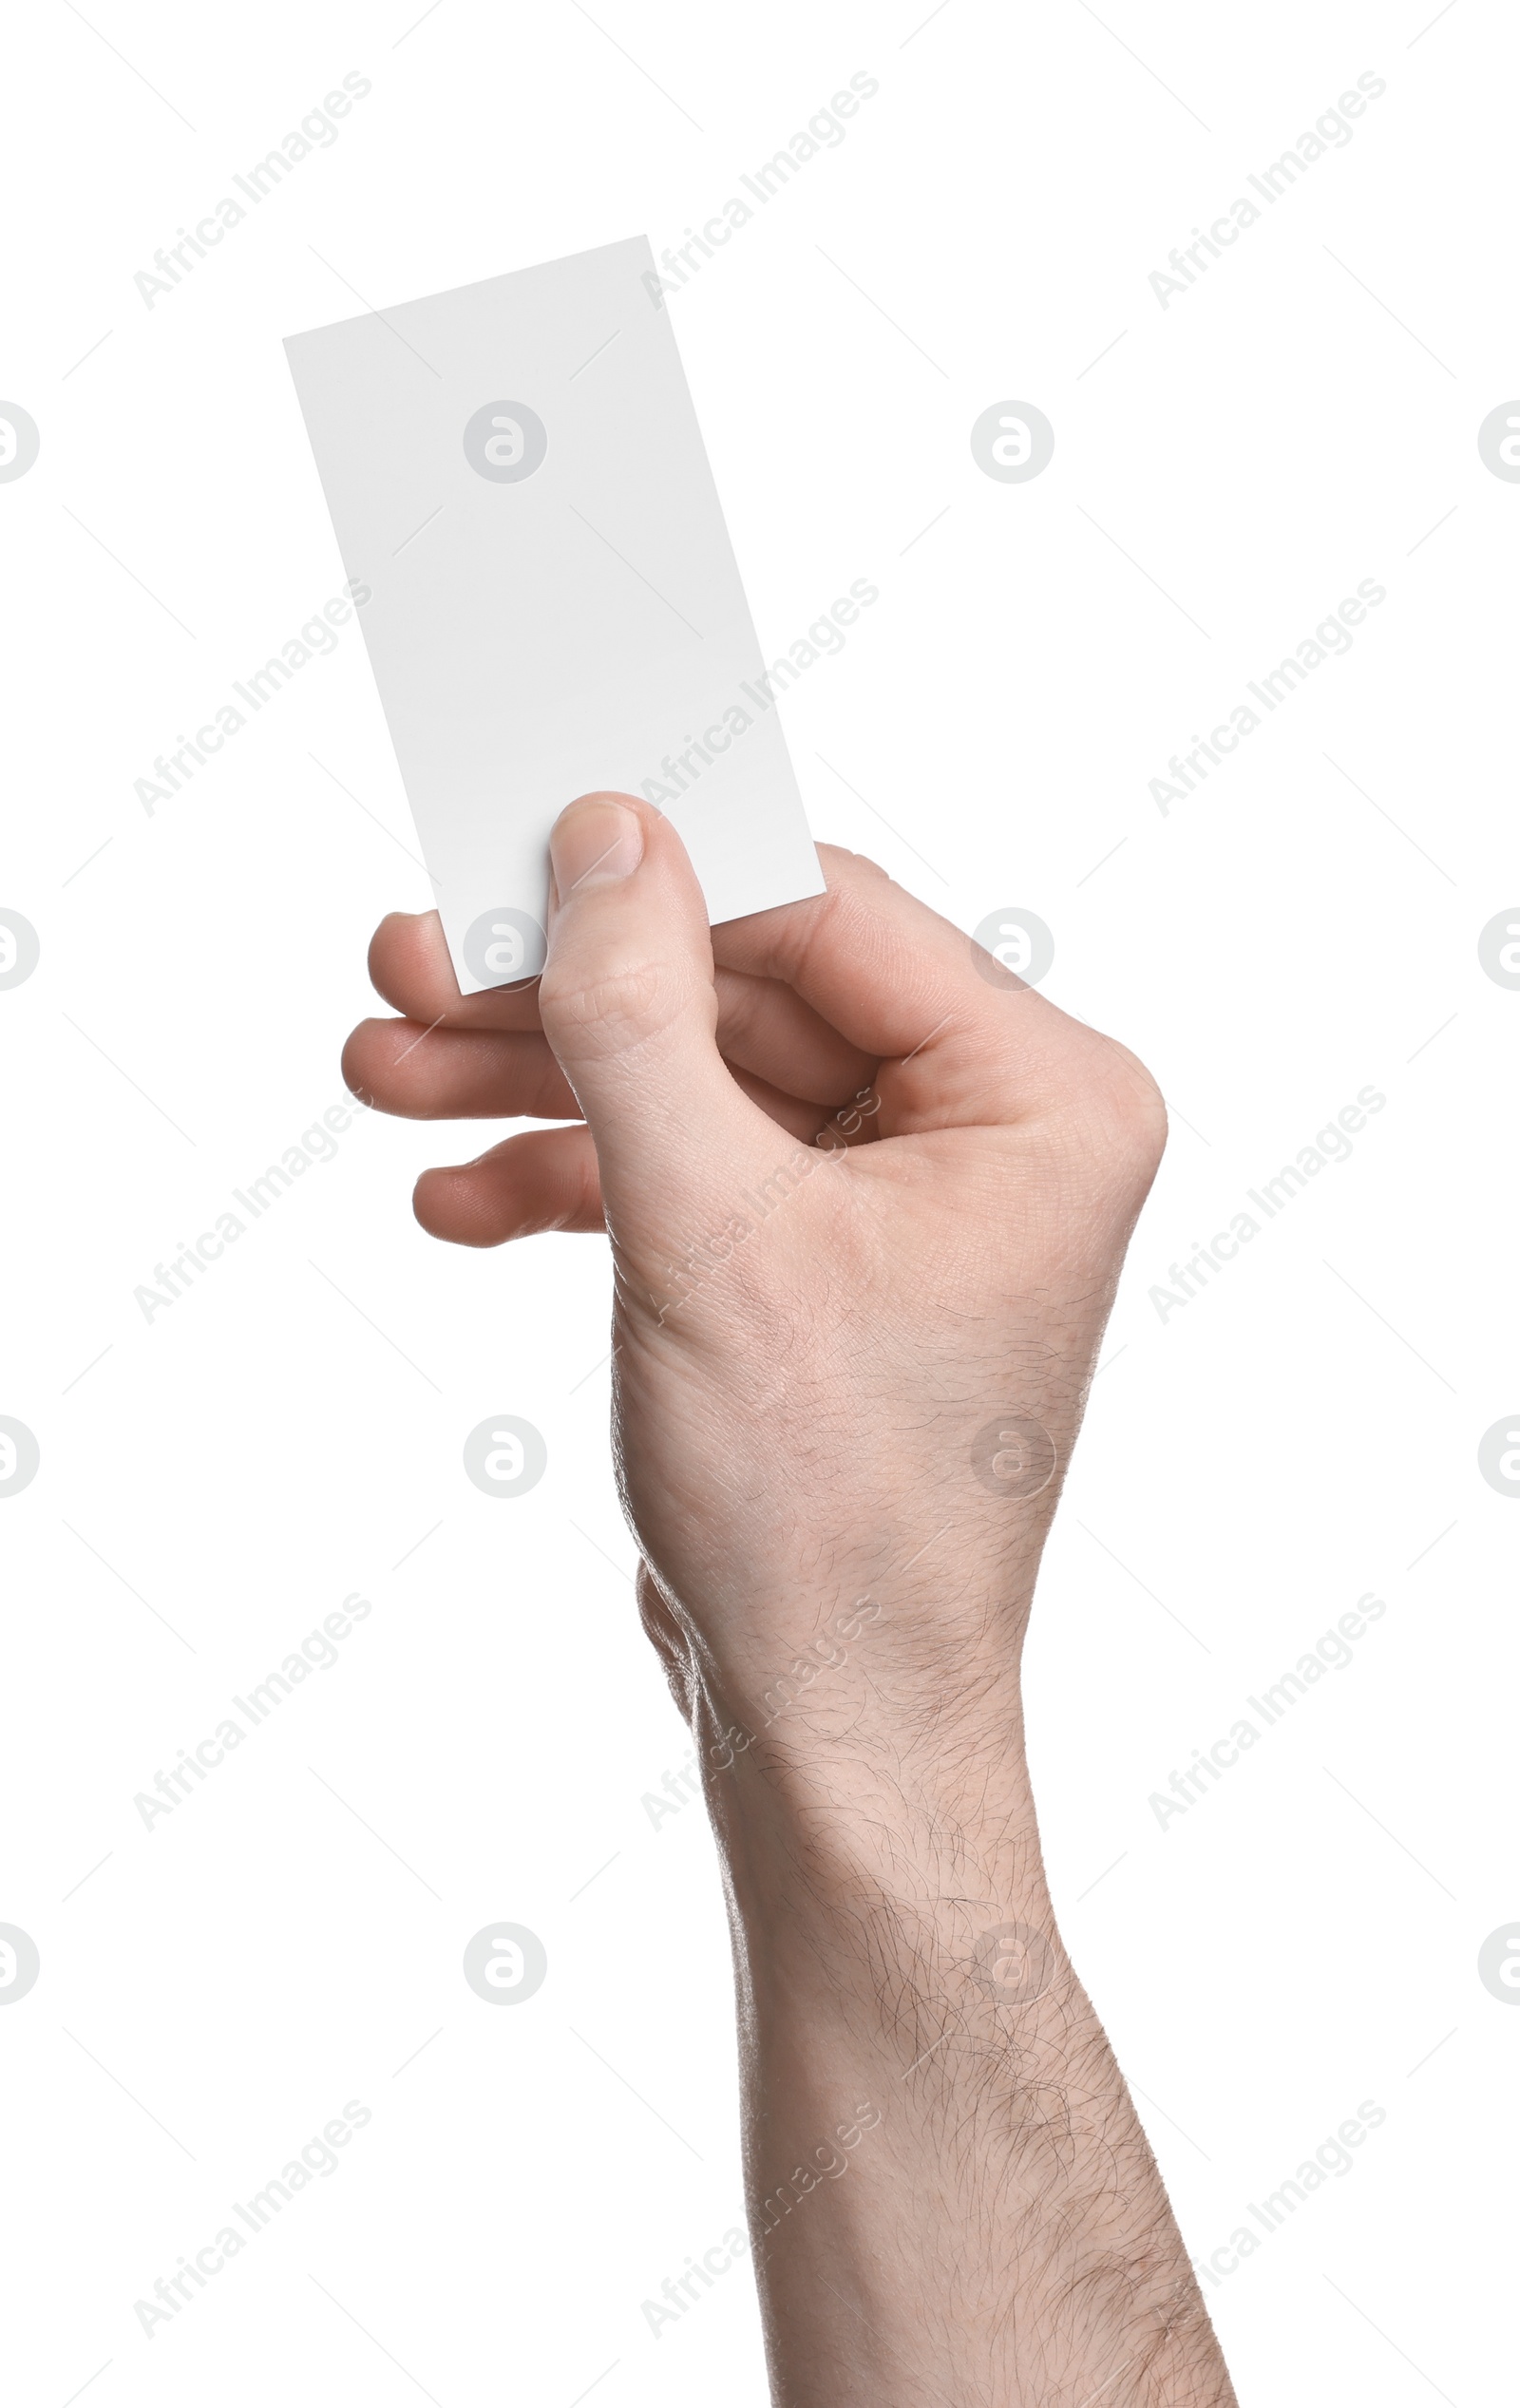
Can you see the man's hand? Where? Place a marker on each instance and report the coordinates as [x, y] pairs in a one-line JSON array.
[[867, 1196]]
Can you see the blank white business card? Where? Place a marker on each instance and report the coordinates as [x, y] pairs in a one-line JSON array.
[[516, 473]]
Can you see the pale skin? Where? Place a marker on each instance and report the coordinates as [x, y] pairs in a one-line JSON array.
[[841, 1370]]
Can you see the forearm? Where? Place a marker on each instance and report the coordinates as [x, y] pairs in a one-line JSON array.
[[951, 2198], [862, 1381]]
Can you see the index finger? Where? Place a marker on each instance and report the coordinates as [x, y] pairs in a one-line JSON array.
[[410, 965]]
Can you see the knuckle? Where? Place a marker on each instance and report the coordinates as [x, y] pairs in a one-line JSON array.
[[1140, 1112], [612, 1012], [1122, 1118], [740, 1003]]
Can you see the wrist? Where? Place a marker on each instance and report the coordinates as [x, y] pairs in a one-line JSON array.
[[909, 1652], [895, 1828]]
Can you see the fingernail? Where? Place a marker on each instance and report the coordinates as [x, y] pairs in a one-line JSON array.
[[594, 842]]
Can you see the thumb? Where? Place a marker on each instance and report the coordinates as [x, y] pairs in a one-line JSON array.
[[629, 1006]]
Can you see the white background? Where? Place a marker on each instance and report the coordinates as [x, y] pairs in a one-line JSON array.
[[1305, 1937]]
